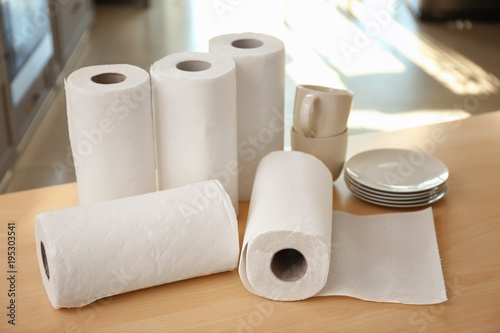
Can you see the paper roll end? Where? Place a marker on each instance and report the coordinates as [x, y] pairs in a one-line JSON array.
[[243, 44], [190, 65], [102, 79], [43, 249], [285, 265]]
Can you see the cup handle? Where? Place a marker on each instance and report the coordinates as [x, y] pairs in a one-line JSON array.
[[306, 111]]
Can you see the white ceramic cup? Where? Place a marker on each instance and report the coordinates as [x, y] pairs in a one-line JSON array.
[[321, 112], [331, 150]]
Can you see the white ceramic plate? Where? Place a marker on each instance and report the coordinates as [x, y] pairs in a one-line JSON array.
[[396, 204], [402, 201], [395, 196], [397, 170]]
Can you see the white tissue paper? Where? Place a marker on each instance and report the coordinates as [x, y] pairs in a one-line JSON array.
[[260, 81], [89, 252], [111, 131], [194, 98], [295, 248]]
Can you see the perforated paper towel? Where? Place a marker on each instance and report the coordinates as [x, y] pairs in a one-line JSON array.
[[260, 81], [194, 98], [111, 131], [294, 248], [89, 252]]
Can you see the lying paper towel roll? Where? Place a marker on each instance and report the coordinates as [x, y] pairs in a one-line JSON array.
[[111, 131], [194, 97], [260, 79], [109, 248], [294, 249], [288, 228]]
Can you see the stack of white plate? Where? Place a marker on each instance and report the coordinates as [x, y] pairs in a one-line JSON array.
[[396, 177]]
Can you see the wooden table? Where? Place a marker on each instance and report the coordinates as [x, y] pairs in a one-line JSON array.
[[467, 221]]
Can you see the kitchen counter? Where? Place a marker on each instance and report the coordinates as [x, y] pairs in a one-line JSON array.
[[467, 224]]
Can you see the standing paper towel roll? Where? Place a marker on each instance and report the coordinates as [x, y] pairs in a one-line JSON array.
[[194, 98], [295, 248], [260, 79], [111, 131], [109, 248]]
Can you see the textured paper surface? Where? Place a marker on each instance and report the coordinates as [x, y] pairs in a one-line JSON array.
[[195, 120], [111, 132], [260, 80], [383, 258], [386, 258], [113, 247]]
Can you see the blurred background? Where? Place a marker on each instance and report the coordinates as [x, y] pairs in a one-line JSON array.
[[408, 63]]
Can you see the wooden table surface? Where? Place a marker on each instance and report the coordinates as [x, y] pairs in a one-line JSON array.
[[467, 223]]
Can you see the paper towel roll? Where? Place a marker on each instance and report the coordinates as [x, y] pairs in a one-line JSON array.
[[260, 79], [111, 131], [194, 97], [295, 248], [108, 248], [289, 228]]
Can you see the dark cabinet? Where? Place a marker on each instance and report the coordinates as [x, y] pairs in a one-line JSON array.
[[28, 105], [70, 20], [7, 147], [452, 9], [30, 63], [29, 57]]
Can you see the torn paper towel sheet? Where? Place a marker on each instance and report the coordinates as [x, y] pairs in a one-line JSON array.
[[295, 248], [89, 252], [110, 126], [260, 81], [194, 98]]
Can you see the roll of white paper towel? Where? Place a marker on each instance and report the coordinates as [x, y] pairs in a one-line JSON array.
[[108, 248], [194, 98], [111, 131], [295, 248], [260, 81]]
